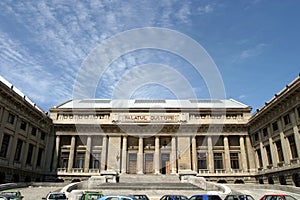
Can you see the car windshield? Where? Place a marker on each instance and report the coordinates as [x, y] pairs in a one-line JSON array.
[[57, 196], [94, 196]]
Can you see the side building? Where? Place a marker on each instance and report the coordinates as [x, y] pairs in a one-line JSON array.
[[207, 138], [26, 137], [274, 131]]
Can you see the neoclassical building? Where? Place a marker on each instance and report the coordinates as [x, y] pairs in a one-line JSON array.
[[26, 137], [207, 138], [274, 131]]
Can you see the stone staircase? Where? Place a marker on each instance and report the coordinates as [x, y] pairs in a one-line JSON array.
[[150, 182]]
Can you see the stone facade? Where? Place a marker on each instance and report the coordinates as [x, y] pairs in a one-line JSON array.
[[274, 131], [26, 135], [204, 138]]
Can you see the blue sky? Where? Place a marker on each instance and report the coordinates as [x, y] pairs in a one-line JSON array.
[[254, 44]]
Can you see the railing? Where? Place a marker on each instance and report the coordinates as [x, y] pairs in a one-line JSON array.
[[62, 170], [77, 170], [220, 171], [203, 171], [237, 171], [94, 171]]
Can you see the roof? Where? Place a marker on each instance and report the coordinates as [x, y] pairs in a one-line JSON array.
[[20, 94], [151, 103]]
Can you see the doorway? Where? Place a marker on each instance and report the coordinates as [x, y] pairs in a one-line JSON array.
[[165, 163]]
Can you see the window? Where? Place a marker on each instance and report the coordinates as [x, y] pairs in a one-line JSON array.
[[18, 150], [234, 160], [218, 161], [11, 118], [269, 155], [43, 135], [293, 146], [279, 151], [80, 160], [39, 158], [256, 137], [4, 146], [96, 160], [259, 158], [202, 161], [29, 154], [265, 132], [287, 119], [275, 126], [33, 131], [64, 159], [298, 111], [23, 125]]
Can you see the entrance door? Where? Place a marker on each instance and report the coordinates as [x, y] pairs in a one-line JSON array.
[[149, 163], [165, 162], [132, 160]]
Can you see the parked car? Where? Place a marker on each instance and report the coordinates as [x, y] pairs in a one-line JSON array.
[[91, 195], [277, 197], [116, 197], [8, 197], [174, 197], [239, 197], [13, 193], [140, 196], [56, 196], [205, 197]]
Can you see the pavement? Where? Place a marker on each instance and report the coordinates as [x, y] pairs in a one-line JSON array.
[[36, 193]]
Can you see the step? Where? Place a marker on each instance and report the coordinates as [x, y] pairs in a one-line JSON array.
[[148, 178]]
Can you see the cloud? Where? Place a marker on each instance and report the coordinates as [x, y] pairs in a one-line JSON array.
[[209, 8], [254, 51]]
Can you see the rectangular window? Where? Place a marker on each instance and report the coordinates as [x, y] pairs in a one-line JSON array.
[[287, 119], [279, 151], [11, 118], [39, 158], [234, 160], [269, 155], [259, 158], [293, 146], [202, 161], [298, 111], [80, 160], [218, 161], [33, 131], [96, 160], [43, 135], [23, 125], [265, 132], [275, 126], [256, 138], [4, 146], [29, 154], [64, 159], [18, 150]]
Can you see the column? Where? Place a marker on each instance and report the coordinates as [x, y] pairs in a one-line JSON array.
[[243, 154], [227, 154], [124, 155], [296, 131], [273, 153], [285, 148], [103, 153], [87, 154], [25, 150], [257, 160], [210, 155], [140, 157], [263, 155], [194, 155], [173, 155], [71, 155], [35, 156], [250, 154], [56, 152], [156, 156]]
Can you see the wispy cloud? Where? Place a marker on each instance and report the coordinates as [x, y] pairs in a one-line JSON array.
[[209, 8], [249, 52]]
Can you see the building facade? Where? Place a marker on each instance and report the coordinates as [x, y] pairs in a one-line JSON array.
[[26, 137], [207, 138], [274, 131]]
